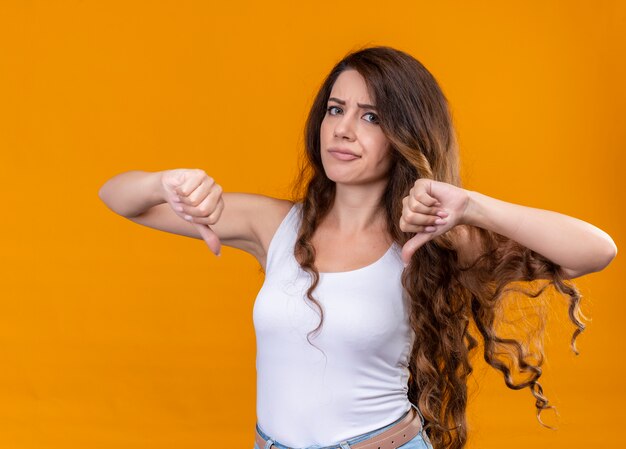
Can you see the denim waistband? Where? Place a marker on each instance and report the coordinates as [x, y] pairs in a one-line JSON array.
[[343, 444]]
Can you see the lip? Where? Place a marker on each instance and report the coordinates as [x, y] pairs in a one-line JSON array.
[[343, 156], [342, 151]]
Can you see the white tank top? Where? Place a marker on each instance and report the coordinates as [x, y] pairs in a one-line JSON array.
[[303, 397]]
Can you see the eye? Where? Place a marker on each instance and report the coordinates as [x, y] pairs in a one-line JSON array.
[[375, 120], [373, 115]]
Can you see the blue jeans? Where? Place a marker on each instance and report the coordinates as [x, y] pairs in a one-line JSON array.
[[420, 441]]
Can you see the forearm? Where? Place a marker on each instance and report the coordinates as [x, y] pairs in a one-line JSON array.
[[132, 193], [566, 241]]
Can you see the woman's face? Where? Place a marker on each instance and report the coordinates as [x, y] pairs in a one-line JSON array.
[[347, 126]]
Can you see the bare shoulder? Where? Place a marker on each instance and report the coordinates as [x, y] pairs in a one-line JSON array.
[[275, 211]]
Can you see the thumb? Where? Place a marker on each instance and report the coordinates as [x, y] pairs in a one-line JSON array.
[[210, 238], [413, 244]]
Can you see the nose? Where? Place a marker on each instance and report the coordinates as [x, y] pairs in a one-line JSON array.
[[344, 127]]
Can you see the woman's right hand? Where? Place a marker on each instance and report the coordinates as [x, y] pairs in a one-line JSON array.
[[196, 197]]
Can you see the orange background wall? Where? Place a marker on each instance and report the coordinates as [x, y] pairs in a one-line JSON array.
[[114, 335]]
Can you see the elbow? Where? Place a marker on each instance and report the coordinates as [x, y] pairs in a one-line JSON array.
[[103, 197], [602, 261], [102, 192], [608, 255], [611, 253], [106, 199]]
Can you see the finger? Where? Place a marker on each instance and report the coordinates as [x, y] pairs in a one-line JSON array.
[[415, 222], [196, 197], [417, 206], [189, 184], [424, 228], [207, 206], [412, 245], [210, 238], [172, 197], [210, 219], [423, 197], [440, 210], [421, 228], [409, 202], [420, 192], [173, 178], [422, 222]]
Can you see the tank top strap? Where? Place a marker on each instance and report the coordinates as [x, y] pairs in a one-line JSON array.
[[280, 249]]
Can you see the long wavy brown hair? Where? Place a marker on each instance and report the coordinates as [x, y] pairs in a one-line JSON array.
[[452, 305]]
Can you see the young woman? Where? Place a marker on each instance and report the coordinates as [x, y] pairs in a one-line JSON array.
[[383, 256]]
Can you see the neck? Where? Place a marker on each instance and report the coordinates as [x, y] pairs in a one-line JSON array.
[[356, 209]]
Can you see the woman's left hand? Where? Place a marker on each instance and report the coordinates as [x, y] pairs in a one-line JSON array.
[[431, 209]]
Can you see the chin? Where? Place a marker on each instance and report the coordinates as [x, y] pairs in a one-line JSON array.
[[338, 179]]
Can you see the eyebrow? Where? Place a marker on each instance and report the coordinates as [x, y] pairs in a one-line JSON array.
[[362, 106]]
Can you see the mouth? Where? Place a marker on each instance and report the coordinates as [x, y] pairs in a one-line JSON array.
[[343, 155], [342, 150]]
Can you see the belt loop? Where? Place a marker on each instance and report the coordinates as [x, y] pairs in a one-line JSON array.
[[419, 413], [268, 444], [344, 445]]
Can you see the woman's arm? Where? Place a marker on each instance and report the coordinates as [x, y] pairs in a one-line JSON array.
[[247, 222], [133, 192], [575, 245]]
